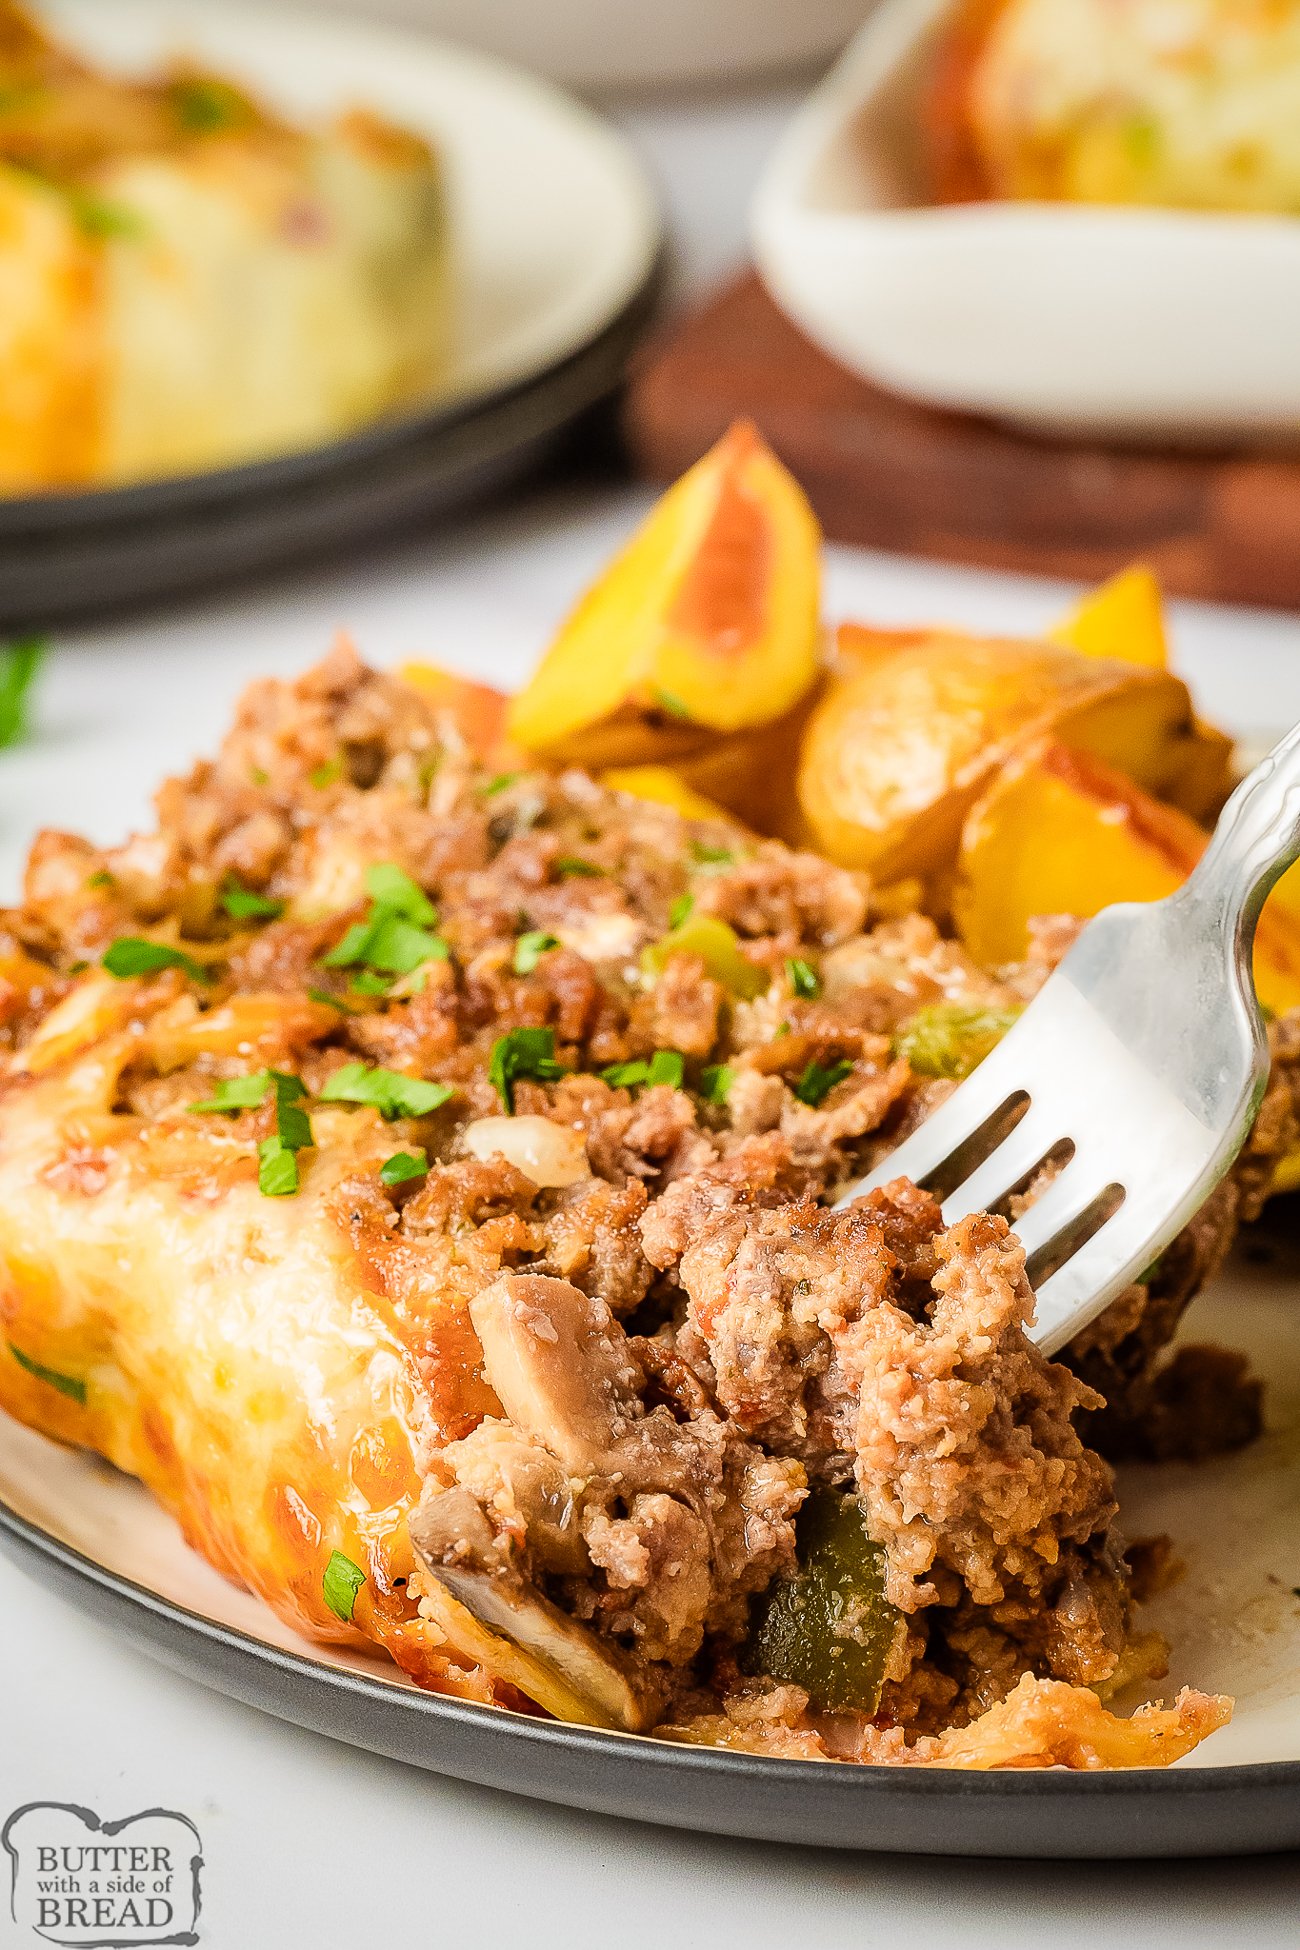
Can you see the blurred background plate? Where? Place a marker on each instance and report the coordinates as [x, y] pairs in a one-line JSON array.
[[1064, 317], [628, 44], [556, 237]]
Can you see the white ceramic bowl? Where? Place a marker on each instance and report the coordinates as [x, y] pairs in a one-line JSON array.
[[1132, 323], [635, 43]]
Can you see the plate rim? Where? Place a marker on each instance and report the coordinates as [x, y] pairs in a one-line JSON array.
[[53, 510], [861, 1779]]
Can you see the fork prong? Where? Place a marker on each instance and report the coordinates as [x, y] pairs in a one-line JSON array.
[[1008, 1165], [943, 1133], [1068, 1299], [1068, 1196]]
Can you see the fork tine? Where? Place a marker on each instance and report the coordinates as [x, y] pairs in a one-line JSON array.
[[1068, 1299], [1068, 1196], [945, 1131], [1007, 1165]]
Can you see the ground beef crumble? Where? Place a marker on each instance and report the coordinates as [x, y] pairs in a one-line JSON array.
[[742, 1340]]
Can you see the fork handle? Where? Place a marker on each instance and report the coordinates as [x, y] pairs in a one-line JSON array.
[[1256, 840]]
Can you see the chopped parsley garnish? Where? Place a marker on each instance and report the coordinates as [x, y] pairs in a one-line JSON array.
[[243, 904], [819, 1080], [206, 106], [804, 979], [277, 1168], [665, 1066], [570, 866], [259, 775], [341, 1585], [716, 1080], [367, 984], [395, 936], [669, 701], [67, 1384], [129, 955], [501, 783], [331, 1001], [705, 855], [100, 878], [522, 1053], [19, 664], [388, 886], [403, 1166], [679, 910], [389, 1091], [327, 774], [100, 216], [530, 948], [950, 1039], [277, 1160]]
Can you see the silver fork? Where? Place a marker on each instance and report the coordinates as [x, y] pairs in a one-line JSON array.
[[1138, 1069]]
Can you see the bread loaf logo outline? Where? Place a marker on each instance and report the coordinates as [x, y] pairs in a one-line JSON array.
[[87, 1884]]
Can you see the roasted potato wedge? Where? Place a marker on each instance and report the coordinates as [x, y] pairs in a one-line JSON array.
[[1061, 833], [913, 725], [707, 623]]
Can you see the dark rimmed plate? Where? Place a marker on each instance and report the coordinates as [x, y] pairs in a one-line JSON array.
[[1232, 1618], [556, 260]]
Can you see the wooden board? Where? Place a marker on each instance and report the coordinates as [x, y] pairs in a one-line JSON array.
[[890, 473]]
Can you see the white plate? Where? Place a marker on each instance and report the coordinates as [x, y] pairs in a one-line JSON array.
[[554, 225], [120, 710], [627, 44], [1133, 323]]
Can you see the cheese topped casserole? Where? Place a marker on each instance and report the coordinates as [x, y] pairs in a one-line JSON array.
[[186, 281], [418, 1176], [1193, 104]]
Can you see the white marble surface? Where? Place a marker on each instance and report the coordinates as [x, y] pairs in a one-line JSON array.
[[309, 1843]]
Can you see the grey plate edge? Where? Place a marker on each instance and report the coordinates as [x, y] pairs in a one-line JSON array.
[[1145, 1813]]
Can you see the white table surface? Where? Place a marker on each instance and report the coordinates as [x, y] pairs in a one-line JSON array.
[[310, 1843]]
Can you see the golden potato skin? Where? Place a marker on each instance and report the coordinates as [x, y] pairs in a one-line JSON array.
[[187, 282], [912, 724], [1189, 104]]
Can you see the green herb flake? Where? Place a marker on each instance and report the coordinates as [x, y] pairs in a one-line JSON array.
[[669, 701], [680, 909], [705, 855], [389, 887], [501, 783], [327, 774], [522, 1053], [277, 1168], [570, 867], [341, 1586], [259, 775], [716, 1080], [625, 1076], [803, 978], [243, 904], [950, 1039], [530, 948], [129, 955], [103, 217], [102, 878], [236, 1093], [207, 106], [331, 1001], [403, 1166], [667, 1066], [819, 1080], [19, 663], [389, 1091], [67, 1384], [367, 984]]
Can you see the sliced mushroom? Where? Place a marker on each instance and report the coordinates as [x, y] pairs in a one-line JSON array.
[[495, 1617], [550, 1154], [560, 1365]]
